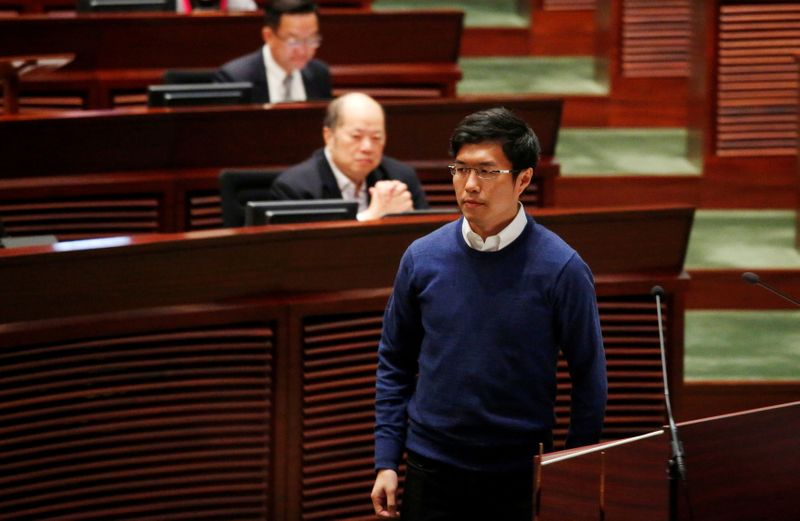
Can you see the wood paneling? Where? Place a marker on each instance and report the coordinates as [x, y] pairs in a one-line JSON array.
[[642, 51], [118, 56], [743, 101], [248, 391], [655, 38], [756, 102], [44, 6], [172, 158], [626, 480], [142, 423]]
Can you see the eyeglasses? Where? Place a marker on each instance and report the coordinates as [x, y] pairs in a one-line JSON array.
[[487, 175], [311, 42]]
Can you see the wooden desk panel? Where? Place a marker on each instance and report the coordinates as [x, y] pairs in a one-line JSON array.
[[172, 157], [160, 40], [44, 6], [123, 53], [169, 328]]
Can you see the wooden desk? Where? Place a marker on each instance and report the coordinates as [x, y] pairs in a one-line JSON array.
[[232, 371], [733, 473], [44, 6], [120, 54], [138, 171], [12, 67]]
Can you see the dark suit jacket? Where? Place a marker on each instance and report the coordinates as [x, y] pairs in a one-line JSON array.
[[250, 67], [314, 179]]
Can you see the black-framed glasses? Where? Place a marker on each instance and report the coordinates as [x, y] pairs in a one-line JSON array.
[[482, 173], [312, 42]]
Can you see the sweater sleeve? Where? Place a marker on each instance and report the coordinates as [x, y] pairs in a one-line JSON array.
[[397, 367], [581, 341]]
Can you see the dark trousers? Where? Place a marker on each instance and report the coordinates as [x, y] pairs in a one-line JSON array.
[[438, 492]]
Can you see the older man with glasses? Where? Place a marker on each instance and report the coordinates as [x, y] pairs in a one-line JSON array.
[[481, 308], [284, 69]]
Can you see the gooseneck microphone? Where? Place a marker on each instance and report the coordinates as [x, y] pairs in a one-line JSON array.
[[752, 278], [677, 446]]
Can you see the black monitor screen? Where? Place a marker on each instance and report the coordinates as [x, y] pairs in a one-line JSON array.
[[182, 95], [107, 6], [312, 210]]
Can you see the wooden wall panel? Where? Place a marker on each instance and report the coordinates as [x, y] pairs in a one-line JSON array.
[[143, 424], [756, 102], [655, 38], [642, 52]]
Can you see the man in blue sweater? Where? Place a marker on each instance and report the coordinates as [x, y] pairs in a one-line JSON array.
[[466, 380]]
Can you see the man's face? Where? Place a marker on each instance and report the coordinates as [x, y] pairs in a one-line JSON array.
[[488, 204], [356, 144], [295, 41]]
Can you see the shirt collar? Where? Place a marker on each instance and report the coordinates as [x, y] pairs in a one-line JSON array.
[[495, 242], [274, 70], [276, 75], [345, 184]]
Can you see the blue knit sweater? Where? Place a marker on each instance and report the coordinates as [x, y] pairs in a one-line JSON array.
[[467, 358]]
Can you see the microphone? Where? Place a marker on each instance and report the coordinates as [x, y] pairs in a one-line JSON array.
[[677, 446], [752, 278]]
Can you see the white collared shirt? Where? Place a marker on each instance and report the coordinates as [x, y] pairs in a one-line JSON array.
[[275, 77], [347, 186], [495, 242]]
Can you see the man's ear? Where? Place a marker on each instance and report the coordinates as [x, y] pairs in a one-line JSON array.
[[523, 180], [327, 135], [267, 34]]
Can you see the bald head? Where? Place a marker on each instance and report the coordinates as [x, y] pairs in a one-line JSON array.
[[352, 103], [355, 134]]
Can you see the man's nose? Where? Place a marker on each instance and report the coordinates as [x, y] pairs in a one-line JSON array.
[[472, 183], [365, 144]]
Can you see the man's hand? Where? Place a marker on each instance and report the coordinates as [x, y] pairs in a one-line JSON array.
[[387, 197], [384, 494]]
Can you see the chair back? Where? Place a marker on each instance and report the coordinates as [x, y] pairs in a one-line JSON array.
[[188, 76], [237, 186]]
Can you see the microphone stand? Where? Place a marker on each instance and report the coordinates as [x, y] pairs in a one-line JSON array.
[[676, 467], [752, 278]]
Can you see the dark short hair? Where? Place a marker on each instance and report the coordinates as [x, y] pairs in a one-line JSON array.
[[277, 8], [499, 125]]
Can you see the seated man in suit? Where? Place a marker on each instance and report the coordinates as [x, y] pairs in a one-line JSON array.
[[352, 165], [284, 68]]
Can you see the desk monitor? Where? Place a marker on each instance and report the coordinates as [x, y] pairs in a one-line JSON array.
[[181, 95], [110, 6], [303, 211]]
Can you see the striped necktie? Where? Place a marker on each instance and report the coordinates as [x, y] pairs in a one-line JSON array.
[[287, 88]]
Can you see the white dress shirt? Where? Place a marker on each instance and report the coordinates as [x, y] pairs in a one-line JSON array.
[[275, 77], [495, 242]]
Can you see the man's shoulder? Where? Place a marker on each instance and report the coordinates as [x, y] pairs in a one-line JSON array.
[[551, 246], [244, 65], [440, 239], [304, 171]]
